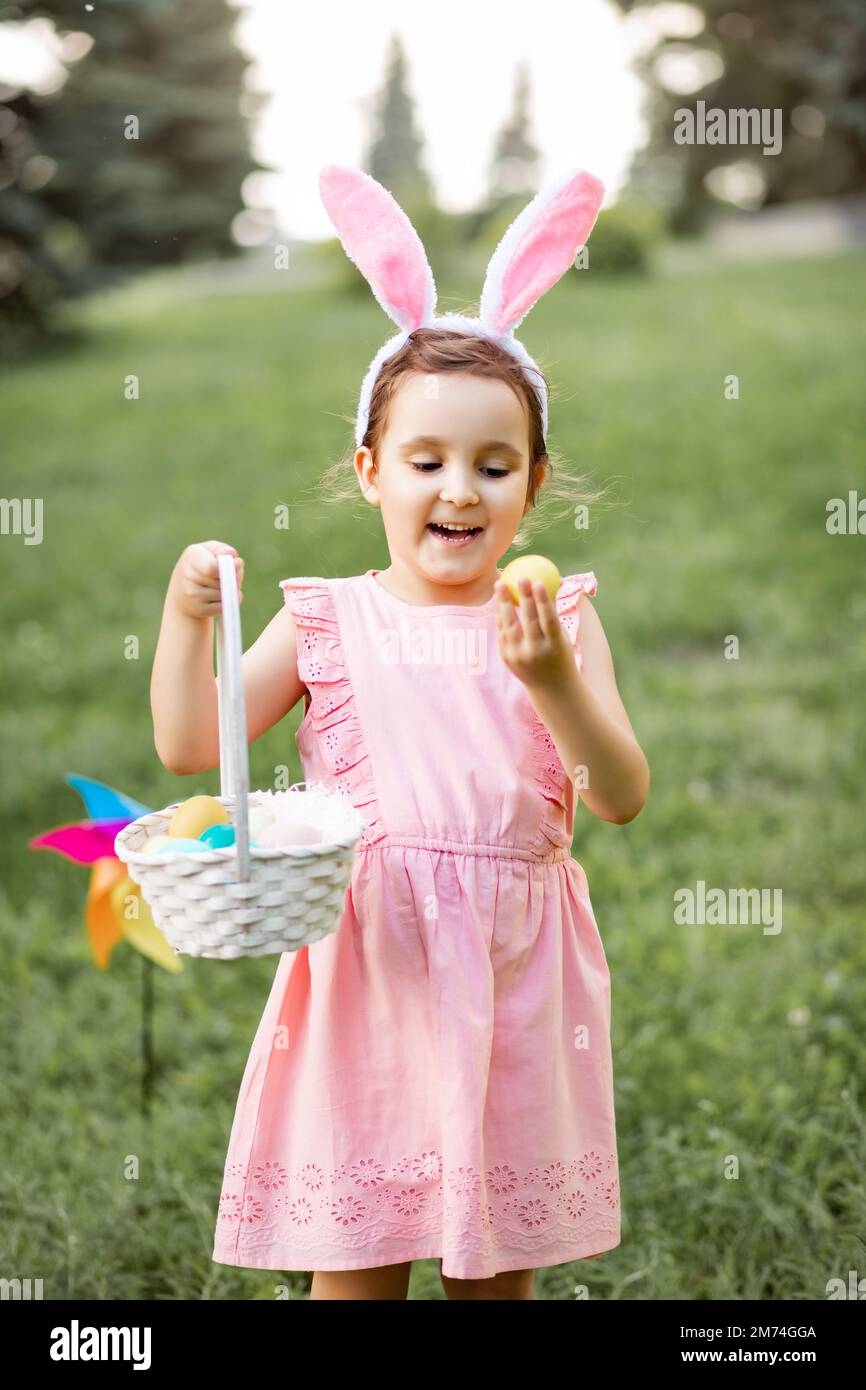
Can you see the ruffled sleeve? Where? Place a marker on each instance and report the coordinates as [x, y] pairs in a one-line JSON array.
[[567, 601], [322, 668], [555, 787]]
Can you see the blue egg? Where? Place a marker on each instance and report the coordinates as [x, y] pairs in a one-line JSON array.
[[218, 836]]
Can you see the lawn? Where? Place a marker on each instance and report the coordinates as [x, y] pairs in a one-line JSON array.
[[734, 1048]]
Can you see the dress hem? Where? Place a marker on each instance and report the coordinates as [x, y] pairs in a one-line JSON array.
[[268, 1259]]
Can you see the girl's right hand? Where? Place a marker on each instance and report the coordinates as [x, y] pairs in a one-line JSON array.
[[195, 581]]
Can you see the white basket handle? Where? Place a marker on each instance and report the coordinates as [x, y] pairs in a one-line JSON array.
[[234, 757]]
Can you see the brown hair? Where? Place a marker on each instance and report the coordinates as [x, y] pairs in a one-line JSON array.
[[430, 351]]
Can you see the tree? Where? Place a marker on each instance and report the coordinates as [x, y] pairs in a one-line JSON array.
[[394, 154], [806, 60], [147, 133], [138, 158], [514, 168], [33, 276], [394, 159]]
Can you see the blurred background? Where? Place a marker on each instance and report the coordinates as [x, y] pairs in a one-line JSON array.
[[182, 343]]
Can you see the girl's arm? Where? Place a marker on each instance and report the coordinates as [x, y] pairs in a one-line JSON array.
[[602, 738], [581, 710], [183, 691]]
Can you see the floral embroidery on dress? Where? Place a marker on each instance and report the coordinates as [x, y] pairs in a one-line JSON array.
[[550, 775], [347, 1208]]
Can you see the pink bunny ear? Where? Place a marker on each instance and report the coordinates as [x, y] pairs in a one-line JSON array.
[[379, 238], [538, 248]]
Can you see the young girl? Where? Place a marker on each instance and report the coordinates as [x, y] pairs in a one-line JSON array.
[[433, 1079]]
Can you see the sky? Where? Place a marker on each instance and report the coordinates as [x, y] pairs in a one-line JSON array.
[[325, 67], [323, 64]]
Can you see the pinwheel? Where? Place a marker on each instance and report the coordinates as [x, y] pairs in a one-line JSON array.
[[115, 908]]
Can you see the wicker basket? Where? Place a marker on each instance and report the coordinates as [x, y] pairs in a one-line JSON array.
[[243, 900]]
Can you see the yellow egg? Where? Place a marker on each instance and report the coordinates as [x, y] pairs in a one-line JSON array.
[[195, 815], [534, 567], [154, 843]]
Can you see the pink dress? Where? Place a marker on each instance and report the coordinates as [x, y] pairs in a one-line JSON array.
[[435, 1077]]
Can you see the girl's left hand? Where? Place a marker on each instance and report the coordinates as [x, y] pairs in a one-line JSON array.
[[534, 645]]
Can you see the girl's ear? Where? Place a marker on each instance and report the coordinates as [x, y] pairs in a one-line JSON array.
[[367, 475], [379, 238], [538, 248], [541, 474]]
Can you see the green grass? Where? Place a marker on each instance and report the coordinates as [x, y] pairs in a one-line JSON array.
[[727, 1041]]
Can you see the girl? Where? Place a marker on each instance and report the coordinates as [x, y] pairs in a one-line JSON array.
[[433, 1079]]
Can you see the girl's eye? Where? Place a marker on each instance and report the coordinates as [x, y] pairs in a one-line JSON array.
[[426, 466]]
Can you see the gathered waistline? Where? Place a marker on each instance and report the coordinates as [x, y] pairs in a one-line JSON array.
[[553, 856]]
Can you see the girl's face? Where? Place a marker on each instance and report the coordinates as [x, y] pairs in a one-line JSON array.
[[455, 449]]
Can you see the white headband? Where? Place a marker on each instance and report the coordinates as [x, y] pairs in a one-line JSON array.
[[537, 249]]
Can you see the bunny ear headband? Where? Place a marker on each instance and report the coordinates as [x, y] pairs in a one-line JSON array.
[[538, 248]]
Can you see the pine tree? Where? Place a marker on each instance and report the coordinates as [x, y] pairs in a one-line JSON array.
[[394, 154], [80, 201], [514, 168], [32, 275], [147, 133], [394, 159]]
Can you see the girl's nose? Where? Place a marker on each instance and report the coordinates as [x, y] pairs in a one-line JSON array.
[[459, 492]]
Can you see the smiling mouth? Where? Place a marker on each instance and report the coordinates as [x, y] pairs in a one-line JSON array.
[[450, 537]]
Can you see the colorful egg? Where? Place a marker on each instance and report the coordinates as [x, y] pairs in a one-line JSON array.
[[534, 567], [195, 815], [288, 834], [218, 836], [258, 817], [155, 843]]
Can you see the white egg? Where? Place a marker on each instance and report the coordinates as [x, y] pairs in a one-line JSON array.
[[286, 833], [259, 817]]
